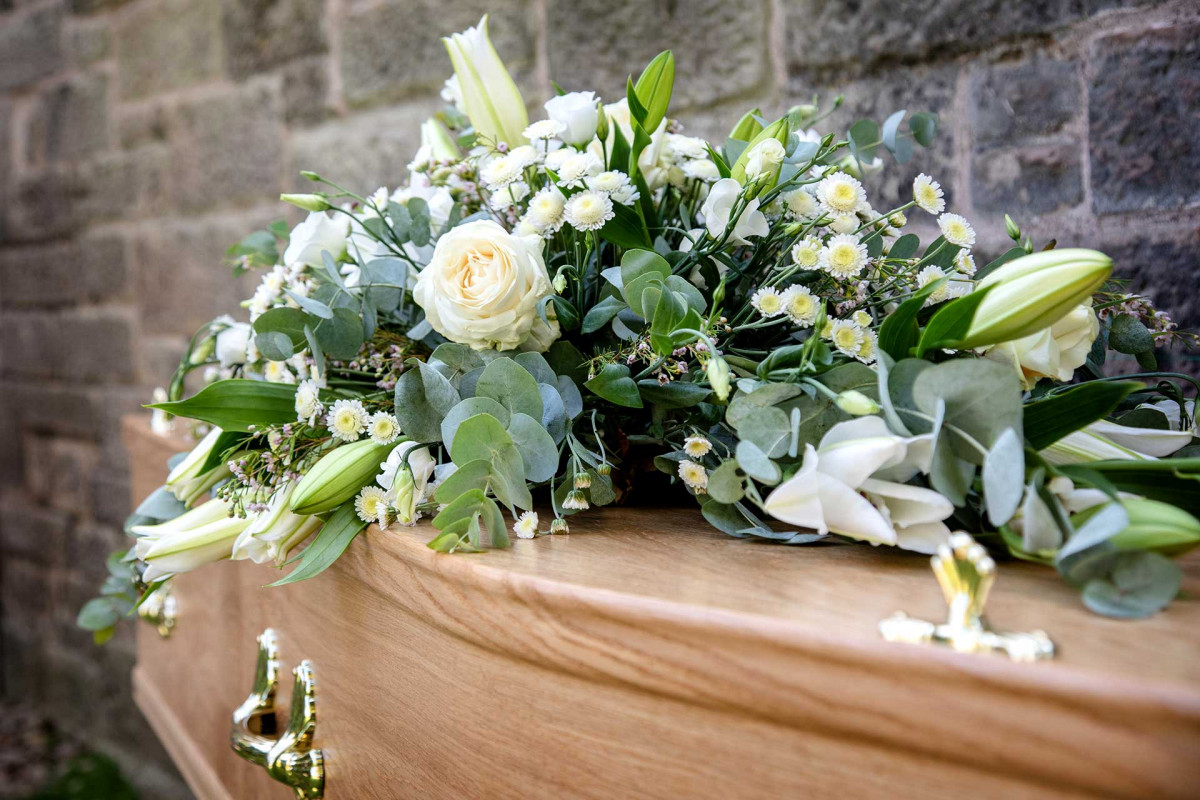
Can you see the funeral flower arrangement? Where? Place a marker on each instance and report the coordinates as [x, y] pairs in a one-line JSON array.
[[549, 312]]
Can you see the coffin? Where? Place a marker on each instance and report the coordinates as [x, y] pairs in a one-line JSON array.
[[646, 656]]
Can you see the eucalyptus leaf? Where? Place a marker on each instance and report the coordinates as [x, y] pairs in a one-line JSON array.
[[423, 399], [755, 463], [1139, 585], [725, 485], [614, 384], [510, 384], [537, 448], [1004, 477], [468, 408]]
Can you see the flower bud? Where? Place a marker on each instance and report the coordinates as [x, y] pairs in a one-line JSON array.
[[718, 372], [1012, 229], [437, 137], [761, 157], [604, 470], [1153, 525], [583, 480], [601, 124], [186, 481], [338, 476], [492, 100], [559, 525], [1033, 292], [856, 403], [271, 537], [312, 176], [309, 202], [192, 540], [748, 126], [403, 496]]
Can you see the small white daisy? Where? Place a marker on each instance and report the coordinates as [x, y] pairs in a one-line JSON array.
[[524, 156], [800, 305], [609, 181], [847, 336], [767, 301], [509, 196], [964, 262], [526, 526], [577, 169], [371, 505], [697, 446], [556, 158], [383, 428], [869, 349], [843, 223], [544, 129], [844, 256], [806, 253], [694, 475], [839, 193], [500, 172], [308, 402], [588, 211], [278, 372], [957, 230], [927, 194], [801, 205], [861, 317], [928, 276], [546, 209], [347, 420]]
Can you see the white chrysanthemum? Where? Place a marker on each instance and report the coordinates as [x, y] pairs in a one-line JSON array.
[[526, 526], [526, 228], [927, 194], [928, 276], [701, 169], [278, 372], [500, 172], [308, 402], [371, 505], [844, 256], [347, 420], [767, 301], [524, 156], [964, 262], [801, 205], [556, 158], [578, 168], [576, 500], [800, 305], [687, 147], [588, 211], [697, 446], [843, 223], [694, 475], [841, 194], [609, 181], [383, 428], [806, 253], [544, 129], [546, 209], [509, 196], [847, 336], [957, 230], [869, 349], [861, 317]]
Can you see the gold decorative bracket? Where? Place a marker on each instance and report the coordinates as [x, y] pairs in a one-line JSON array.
[[966, 574], [288, 757], [160, 609]]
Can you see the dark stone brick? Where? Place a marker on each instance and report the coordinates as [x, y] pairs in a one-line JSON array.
[[261, 34], [45, 204], [94, 6], [868, 33], [62, 410], [370, 150], [86, 41], [126, 185], [1144, 120], [1165, 269], [30, 48], [25, 598], [227, 150], [91, 344], [58, 472], [720, 46], [64, 273], [1031, 180], [168, 44], [70, 120], [1013, 102], [393, 50], [141, 124], [30, 531], [306, 97]]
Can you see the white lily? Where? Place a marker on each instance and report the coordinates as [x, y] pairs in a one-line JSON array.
[[852, 485], [186, 481], [1090, 444], [271, 537], [192, 540], [1147, 441], [493, 101]]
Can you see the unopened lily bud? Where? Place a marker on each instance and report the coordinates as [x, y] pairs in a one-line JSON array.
[[437, 137], [856, 403], [187, 482], [748, 126], [309, 202], [1031, 293], [1012, 229], [1153, 525], [199, 537], [491, 97], [718, 372], [338, 476]]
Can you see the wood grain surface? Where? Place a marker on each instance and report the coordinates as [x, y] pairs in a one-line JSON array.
[[646, 656]]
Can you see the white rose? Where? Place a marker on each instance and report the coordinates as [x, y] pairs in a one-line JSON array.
[[319, 232], [718, 205], [577, 111], [1055, 352], [231, 344], [482, 286], [764, 159]]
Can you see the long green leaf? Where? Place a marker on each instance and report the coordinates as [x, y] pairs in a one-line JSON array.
[[949, 325], [899, 332], [330, 542], [236, 404], [1169, 480], [1048, 420], [654, 88]]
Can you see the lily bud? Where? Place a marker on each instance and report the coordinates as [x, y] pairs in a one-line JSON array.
[[1153, 525], [1012, 229], [1033, 292], [493, 101], [272, 536], [748, 126], [188, 542], [338, 476], [309, 202], [856, 403], [718, 372], [437, 138], [186, 481], [763, 156]]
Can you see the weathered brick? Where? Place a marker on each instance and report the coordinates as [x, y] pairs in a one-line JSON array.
[[720, 46], [66, 410], [1013, 102], [45, 204], [69, 121], [58, 471], [30, 47], [160, 356], [261, 34], [306, 95], [90, 344], [167, 44], [126, 185], [864, 34], [393, 50], [86, 41], [64, 272], [227, 150], [94, 6], [141, 124], [1162, 264], [88, 546], [1031, 180], [30, 531], [1144, 120], [24, 597], [371, 150]]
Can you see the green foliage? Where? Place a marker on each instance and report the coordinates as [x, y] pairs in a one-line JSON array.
[[1050, 419], [330, 542], [237, 404]]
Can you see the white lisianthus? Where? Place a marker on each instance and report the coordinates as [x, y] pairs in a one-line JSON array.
[[577, 112], [407, 486], [854, 485], [764, 159], [316, 234], [719, 205], [231, 343], [482, 286], [1054, 352], [308, 402]]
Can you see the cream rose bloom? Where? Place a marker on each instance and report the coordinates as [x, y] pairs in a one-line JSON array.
[[1055, 352], [482, 287]]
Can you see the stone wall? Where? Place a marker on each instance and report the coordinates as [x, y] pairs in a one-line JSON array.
[[138, 138]]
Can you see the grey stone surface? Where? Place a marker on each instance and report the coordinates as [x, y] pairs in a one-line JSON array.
[[1012, 102], [30, 47], [86, 41], [168, 44], [88, 344], [262, 34], [69, 120], [1144, 120], [63, 274], [1162, 264], [307, 97], [1033, 180]]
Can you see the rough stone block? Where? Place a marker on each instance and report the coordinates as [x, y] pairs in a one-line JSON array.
[[25, 599], [393, 50], [45, 204], [1032, 180], [31, 531], [31, 47], [58, 471], [1014, 102], [306, 97], [126, 185], [65, 410], [262, 34], [86, 41], [141, 124], [63, 273], [69, 120], [720, 46], [167, 44], [227, 150], [1144, 120], [89, 344], [1164, 265]]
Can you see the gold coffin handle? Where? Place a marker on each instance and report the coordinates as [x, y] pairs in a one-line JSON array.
[[288, 757]]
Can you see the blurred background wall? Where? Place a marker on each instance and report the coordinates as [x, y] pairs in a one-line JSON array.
[[139, 138]]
